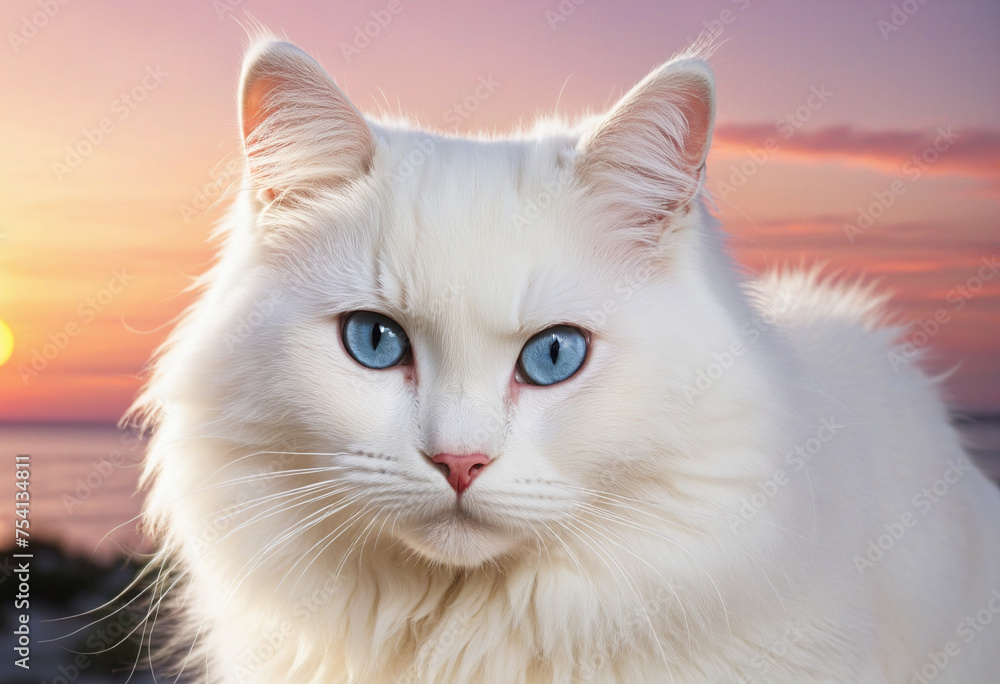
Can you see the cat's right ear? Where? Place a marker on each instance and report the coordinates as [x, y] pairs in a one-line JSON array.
[[299, 130], [646, 156]]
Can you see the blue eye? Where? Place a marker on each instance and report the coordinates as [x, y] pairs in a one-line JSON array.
[[374, 340], [553, 355]]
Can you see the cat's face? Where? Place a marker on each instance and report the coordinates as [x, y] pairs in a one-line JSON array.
[[478, 336], [460, 291]]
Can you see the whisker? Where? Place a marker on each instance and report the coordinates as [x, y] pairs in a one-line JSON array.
[[259, 558], [669, 585], [631, 584], [611, 517], [332, 536], [327, 490]]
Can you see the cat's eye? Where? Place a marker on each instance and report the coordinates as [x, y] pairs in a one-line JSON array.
[[374, 340], [553, 355]]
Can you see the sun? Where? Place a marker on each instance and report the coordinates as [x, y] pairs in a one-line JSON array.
[[6, 343]]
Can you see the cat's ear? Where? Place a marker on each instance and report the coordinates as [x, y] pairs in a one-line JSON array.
[[299, 130], [647, 155]]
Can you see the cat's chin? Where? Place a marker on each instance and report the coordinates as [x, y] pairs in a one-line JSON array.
[[455, 539]]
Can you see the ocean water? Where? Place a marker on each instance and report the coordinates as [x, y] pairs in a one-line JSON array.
[[83, 484]]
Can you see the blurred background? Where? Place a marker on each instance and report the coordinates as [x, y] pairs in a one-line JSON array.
[[861, 134]]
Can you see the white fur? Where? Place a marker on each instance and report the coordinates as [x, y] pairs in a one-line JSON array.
[[605, 543]]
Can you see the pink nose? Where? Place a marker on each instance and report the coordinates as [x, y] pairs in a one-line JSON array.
[[461, 469]]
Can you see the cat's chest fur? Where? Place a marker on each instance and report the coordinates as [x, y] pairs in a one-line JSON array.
[[488, 629]]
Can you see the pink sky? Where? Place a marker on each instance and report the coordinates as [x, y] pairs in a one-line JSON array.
[[820, 112]]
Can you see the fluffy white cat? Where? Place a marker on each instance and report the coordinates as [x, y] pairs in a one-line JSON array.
[[500, 410]]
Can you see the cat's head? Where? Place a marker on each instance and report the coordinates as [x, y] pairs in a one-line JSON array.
[[478, 342]]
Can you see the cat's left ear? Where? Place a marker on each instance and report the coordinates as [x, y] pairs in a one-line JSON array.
[[647, 155], [299, 130]]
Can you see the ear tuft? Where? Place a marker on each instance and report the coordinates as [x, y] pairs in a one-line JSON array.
[[299, 130], [646, 156]]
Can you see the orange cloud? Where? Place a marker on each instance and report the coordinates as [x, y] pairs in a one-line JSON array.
[[966, 151]]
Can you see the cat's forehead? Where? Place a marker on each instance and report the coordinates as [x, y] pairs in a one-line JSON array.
[[485, 230], [499, 189]]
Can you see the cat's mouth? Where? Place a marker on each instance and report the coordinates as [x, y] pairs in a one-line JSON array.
[[458, 537]]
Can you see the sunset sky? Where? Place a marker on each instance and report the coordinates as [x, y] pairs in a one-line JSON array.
[[118, 118]]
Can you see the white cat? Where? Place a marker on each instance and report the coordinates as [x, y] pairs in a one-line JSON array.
[[500, 410]]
